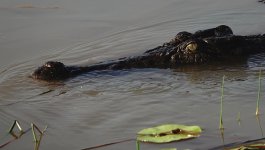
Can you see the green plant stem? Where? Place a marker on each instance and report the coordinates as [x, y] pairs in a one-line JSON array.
[[221, 126], [16, 124], [259, 93], [137, 145]]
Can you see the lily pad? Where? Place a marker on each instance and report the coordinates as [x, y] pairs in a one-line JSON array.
[[168, 133]]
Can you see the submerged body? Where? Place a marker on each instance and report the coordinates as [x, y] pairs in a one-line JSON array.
[[204, 46]]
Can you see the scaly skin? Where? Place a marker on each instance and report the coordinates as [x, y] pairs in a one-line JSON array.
[[204, 46]]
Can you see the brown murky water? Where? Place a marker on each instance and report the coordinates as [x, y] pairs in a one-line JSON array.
[[94, 109]]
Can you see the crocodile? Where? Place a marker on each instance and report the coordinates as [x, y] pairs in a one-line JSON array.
[[201, 47]]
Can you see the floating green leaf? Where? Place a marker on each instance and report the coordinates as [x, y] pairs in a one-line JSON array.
[[168, 133]]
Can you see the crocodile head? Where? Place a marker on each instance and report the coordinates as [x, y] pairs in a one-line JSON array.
[[192, 51], [187, 48], [51, 70]]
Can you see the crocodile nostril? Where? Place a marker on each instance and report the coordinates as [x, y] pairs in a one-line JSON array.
[[48, 65]]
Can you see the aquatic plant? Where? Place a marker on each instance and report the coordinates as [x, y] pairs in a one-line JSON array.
[[259, 93], [137, 145], [221, 126], [168, 133], [37, 140], [20, 132]]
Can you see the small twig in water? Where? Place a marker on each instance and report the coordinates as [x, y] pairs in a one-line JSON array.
[[108, 144], [238, 118]]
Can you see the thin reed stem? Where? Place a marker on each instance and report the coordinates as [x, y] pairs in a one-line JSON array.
[[137, 145], [221, 126], [259, 93]]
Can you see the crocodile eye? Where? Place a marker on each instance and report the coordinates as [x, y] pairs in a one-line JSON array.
[[192, 47]]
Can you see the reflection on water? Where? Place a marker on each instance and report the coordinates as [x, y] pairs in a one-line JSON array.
[[102, 107]]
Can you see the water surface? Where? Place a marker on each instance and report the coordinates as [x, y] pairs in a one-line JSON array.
[[99, 108]]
